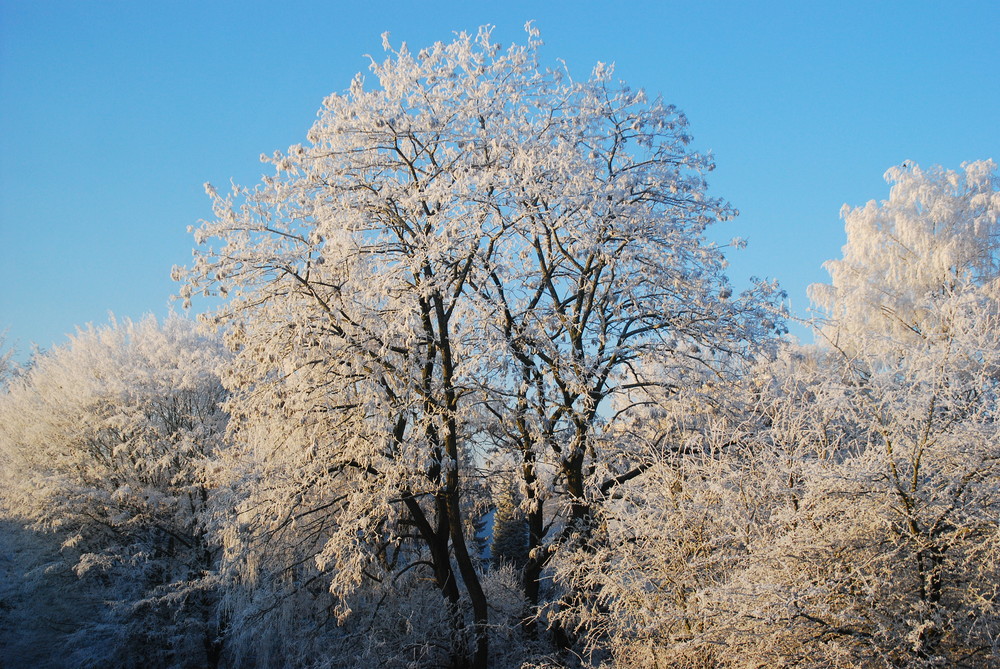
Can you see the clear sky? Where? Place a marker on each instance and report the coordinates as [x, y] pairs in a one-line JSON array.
[[113, 115]]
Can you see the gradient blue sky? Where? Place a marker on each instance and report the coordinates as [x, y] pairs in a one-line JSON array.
[[113, 115]]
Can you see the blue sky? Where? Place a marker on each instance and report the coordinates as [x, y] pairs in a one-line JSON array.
[[113, 115]]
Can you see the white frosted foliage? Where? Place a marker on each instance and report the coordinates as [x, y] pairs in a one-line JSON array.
[[104, 442], [938, 233], [467, 255]]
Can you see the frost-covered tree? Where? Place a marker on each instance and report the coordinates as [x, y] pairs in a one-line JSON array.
[[472, 254], [911, 375], [938, 233], [877, 528], [105, 443], [876, 497]]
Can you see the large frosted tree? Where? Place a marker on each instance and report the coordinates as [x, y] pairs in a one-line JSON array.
[[471, 254]]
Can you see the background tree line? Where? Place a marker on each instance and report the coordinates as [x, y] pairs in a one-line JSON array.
[[477, 392]]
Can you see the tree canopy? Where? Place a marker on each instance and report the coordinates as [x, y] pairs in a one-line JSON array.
[[480, 394]]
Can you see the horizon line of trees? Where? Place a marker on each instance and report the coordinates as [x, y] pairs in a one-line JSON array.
[[478, 393]]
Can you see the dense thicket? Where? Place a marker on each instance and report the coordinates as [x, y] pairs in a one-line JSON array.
[[491, 401], [105, 444]]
